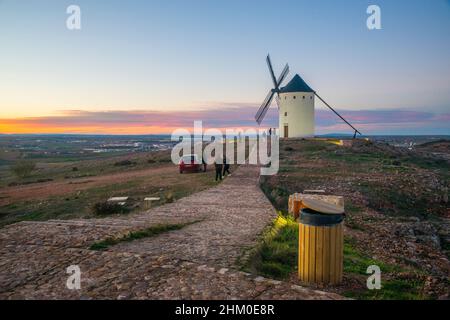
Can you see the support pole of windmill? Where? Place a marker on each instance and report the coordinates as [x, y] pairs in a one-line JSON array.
[[355, 130]]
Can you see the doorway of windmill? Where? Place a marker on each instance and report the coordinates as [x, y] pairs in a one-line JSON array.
[[286, 131]]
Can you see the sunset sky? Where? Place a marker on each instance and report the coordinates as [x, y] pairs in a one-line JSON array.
[[140, 67]]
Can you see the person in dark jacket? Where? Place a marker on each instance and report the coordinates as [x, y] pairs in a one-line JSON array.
[[219, 166], [226, 167], [204, 164]]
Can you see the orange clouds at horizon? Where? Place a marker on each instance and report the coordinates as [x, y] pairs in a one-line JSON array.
[[126, 122], [158, 122], [20, 128], [64, 125], [140, 130]]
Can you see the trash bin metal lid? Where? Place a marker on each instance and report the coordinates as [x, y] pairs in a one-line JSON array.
[[313, 218], [322, 206]]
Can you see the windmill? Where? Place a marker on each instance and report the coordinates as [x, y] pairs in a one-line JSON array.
[[295, 105]]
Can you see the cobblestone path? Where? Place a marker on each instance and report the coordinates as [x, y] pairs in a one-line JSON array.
[[195, 262]]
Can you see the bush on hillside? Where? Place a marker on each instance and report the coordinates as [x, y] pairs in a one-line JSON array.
[[124, 163], [107, 208], [23, 168]]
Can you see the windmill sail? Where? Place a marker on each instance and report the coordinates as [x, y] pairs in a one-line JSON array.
[[268, 100], [264, 107], [269, 64]]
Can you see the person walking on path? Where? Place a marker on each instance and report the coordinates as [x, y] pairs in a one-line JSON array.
[[204, 164], [226, 167], [219, 166]]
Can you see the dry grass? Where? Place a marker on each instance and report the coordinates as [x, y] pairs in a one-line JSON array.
[[71, 194]]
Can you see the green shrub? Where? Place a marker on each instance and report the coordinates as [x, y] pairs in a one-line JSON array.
[[168, 197], [124, 163], [23, 168], [139, 234], [107, 208], [276, 256]]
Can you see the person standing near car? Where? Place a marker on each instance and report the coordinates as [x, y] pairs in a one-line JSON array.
[[226, 167], [219, 166], [204, 164]]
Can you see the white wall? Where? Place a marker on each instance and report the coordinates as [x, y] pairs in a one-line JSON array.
[[300, 114]]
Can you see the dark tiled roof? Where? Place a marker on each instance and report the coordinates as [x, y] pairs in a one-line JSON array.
[[297, 84]]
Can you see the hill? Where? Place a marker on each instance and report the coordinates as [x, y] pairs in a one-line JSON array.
[[442, 146], [397, 211]]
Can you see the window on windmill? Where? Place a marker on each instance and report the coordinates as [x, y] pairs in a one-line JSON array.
[[294, 97], [285, 114], [303, 97], [310, 97]]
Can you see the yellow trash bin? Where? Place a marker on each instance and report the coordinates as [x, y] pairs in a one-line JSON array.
[[321, 243]]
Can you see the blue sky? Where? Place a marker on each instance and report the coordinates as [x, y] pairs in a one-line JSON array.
[[185, 56]]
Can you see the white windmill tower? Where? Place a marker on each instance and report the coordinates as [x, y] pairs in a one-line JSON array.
[[295, 106], [296, 112]]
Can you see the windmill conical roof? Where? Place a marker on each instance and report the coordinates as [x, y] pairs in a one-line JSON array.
[[297, 84]]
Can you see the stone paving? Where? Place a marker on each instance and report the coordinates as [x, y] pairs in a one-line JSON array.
[[198, 261]]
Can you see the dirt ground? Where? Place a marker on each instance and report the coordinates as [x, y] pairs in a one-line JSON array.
[[60, 188]]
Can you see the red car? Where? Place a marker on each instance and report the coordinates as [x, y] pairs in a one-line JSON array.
[[191, 162]]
